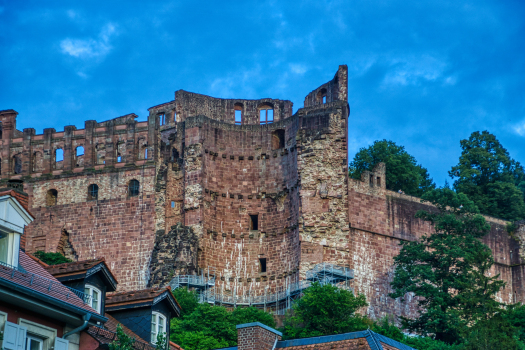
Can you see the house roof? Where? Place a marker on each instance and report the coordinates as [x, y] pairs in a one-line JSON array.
[[141, 298], [31, 278], [82, 269], [108, 335], [375, 342]]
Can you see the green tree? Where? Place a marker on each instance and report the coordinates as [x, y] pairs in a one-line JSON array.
[[402, 171], [490, 177], [448, 270], [51, 258], [325, 309], [494, 333], [123, 341], [187, 299], [211, 327]]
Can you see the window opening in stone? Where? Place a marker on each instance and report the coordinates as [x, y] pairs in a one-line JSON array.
[[238, 117], [0, 165], [59, 155], [321, 96], [133, 188], [172, 204], [262, 265], [93, 192], [0, 134], [80, 151], [174, 116], [266, 114], [254, 222], [278, 139], [51, 197], [146, 153], [174, 154], [17, 166], [371, 180], [378, 182], [119, 158], [162, 119], [324, 99]]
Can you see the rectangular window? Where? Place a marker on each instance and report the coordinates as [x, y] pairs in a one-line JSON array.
[[378, 181], [262, 116], [254, 222], [238, 117], [34, 343], [172, 204], [324, 99], [158, 326], [262, 265], [162, 119], [270, 116]]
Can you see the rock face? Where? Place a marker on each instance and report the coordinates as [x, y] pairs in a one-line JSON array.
[[242, 188], [174, 253]]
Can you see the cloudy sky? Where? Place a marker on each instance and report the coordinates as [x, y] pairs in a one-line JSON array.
[[424, 74]]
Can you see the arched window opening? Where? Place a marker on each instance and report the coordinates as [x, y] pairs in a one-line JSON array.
[[93, 192], [278, 139], [238, 114], [133, 188], [321, 96], [17, 163], [266, 114], [80, 151], [51, 197]]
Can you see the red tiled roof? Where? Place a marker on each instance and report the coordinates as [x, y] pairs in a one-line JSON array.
[[39, 280], [75, 267]]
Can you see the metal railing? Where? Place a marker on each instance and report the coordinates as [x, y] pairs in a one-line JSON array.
[[324, 273], [41, 284]]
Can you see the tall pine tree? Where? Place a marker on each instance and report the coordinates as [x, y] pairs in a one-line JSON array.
[[490, 177]]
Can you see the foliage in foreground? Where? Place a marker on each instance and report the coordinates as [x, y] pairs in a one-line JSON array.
[[325, 309], [51, 258], [402, 171], [203, 326], [123, 341]]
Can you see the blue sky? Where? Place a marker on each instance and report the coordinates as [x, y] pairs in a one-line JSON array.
[[424, 74]]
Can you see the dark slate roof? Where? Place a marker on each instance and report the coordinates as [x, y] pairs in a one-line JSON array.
[[374, 340], [141, 298], [83, 269]]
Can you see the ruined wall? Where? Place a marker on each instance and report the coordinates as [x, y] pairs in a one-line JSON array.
[[233, 172], [117, 227], [189, 104], [374, 242]]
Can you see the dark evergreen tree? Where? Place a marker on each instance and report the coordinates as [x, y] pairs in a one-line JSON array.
[[490, 177], [402, 171], [448, 270]]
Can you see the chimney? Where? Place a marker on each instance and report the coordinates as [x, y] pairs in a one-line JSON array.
[[256, 336]]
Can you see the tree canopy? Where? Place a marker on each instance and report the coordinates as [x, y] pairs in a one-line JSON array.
[[204, 326], [490, 177], [325, 309], [402, 171], [448, 269]]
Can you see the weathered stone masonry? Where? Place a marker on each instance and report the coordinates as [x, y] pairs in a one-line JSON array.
[[259, 204]]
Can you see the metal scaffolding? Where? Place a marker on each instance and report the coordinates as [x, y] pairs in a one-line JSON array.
[[277, 302]]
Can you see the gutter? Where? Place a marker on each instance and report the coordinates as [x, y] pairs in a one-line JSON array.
[[86, 318]]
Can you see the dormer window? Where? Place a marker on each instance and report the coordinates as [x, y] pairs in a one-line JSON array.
[[158, 326], [94, 297]]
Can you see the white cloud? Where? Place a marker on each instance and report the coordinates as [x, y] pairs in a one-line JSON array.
[[520, 128], [410, 70], [90, 48], [298, 68]]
